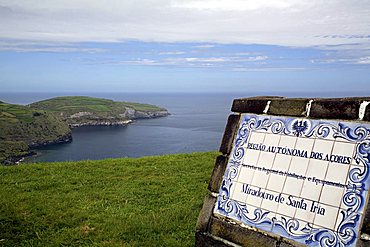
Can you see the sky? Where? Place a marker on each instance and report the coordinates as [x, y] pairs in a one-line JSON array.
[[263, 46]]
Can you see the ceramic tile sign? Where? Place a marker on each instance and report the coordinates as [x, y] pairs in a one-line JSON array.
[[306, 180]]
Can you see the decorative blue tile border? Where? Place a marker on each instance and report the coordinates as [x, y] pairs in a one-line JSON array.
[[354, 197]]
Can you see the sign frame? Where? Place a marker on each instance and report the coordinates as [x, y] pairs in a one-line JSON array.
[[354, 198]]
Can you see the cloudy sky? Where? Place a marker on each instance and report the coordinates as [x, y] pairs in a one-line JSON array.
[[264, 46]]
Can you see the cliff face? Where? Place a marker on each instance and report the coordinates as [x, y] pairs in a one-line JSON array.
[[23, 128], [92, 119], [149, 114]]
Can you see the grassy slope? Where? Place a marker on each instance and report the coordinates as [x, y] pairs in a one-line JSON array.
[[21, 125], [101, 107], [151, 201]]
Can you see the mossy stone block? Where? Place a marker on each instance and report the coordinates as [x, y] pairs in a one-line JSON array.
[[366, 223], [367, 113], [250, 105], [362, 243], [240, 235], [347, 109], [205, 213], [229, 133], [218, 173], [288, 107], [204, 240]]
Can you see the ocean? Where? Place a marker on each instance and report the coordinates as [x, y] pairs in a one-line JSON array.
[[196, 124]]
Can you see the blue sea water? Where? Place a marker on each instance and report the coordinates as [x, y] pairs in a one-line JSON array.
[[196, 123]]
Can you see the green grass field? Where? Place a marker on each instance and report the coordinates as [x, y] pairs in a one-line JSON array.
[[151, 201]]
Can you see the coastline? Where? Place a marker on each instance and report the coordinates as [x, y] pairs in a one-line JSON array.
[[15, 160], [49, 122], [101, 123]]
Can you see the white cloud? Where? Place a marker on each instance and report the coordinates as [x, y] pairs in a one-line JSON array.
[[217, 59], [246, 53], [24, 46], [140, 62], [207, 60], [237, 5], [171, 53], [277, 22], [268, 69], [198, 62], [50, 49], [360, 60], [364, 60], [207, 46], [257, 58]]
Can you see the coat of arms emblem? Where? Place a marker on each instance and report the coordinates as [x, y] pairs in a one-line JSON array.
[[299, 127]]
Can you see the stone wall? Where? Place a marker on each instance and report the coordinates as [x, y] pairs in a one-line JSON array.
[[212, 230]]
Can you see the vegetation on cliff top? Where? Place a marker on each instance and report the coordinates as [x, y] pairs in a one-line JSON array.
[[73, 104], [151, 201], [80, 109], [22, 127]]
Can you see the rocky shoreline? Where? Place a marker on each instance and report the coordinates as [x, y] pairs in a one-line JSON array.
[[80, 119], [15, 160], [88, 119], [100, 123], [62, 139], [149, 115]]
